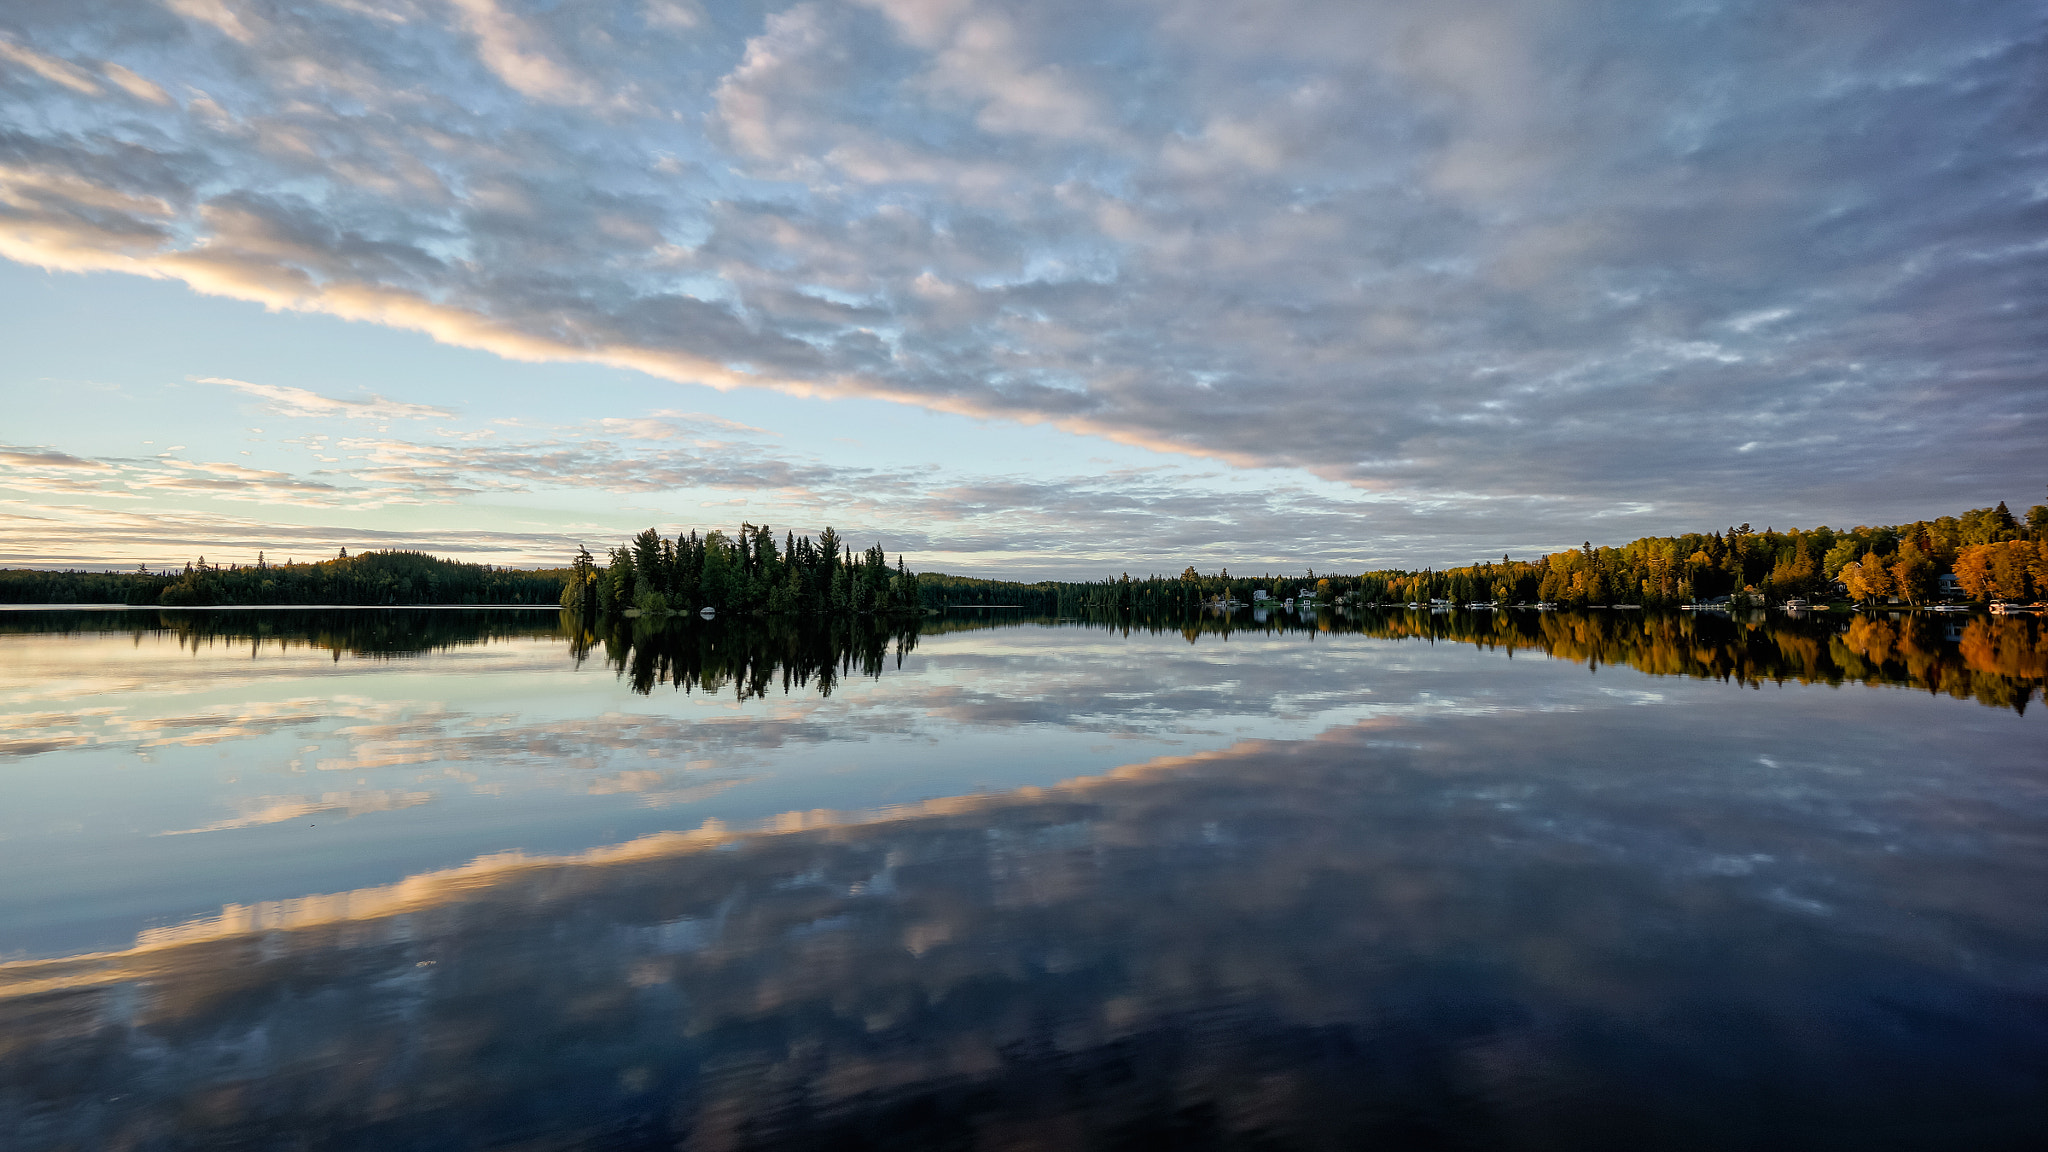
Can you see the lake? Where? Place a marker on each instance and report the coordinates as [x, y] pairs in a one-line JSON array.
[[466, 878]]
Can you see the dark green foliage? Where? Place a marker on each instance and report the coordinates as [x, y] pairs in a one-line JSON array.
[[746, 573], [368, 578], [34, 586]]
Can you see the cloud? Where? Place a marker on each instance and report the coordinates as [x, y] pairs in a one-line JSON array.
[[59, 473], [219, 724], [228, 481], [48, 67], [140, 87], [517, 54], [69, 535], [44, 459], [1451, 253], [288, 401], [126, 478], [669, 424], [216, 14], [1017, 525], [278, 809]]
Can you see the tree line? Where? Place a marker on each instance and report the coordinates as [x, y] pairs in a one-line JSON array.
[[1992, 555], [370, 578], [748, 572], [1989, 553], [744, 572]]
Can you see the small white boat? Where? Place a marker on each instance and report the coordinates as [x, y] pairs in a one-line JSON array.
[[707, 612]]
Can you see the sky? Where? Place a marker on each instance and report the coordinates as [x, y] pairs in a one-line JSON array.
[[1027, 289]]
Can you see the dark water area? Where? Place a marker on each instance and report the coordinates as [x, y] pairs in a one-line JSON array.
[[470, 879]]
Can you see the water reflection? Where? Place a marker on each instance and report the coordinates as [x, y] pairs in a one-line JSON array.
[[1999, 661], [749, 657], [375, 632], [1313, 881], [1704, 929]]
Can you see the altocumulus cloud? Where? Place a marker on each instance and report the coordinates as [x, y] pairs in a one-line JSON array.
[[1573, 251]]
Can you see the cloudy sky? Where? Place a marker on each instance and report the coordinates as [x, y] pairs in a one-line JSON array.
[[1035, 288]]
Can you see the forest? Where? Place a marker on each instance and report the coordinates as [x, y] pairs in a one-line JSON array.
[[1992, 554], [1989, 553], [371, 578], [745, 572]]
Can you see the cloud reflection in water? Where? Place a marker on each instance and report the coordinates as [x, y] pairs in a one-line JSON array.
[[1469, 930]]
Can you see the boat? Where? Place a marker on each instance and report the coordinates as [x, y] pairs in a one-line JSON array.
[[707, 612]]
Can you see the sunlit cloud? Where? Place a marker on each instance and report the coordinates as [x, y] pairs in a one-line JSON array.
[[41, 459], [48, 67], [288, 401], [66, 535]]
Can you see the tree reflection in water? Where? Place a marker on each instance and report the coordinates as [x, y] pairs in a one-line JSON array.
[[747, 656], [361, 632], [1999, 661]]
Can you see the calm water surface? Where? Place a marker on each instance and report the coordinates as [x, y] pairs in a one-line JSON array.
[[464, 879]]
